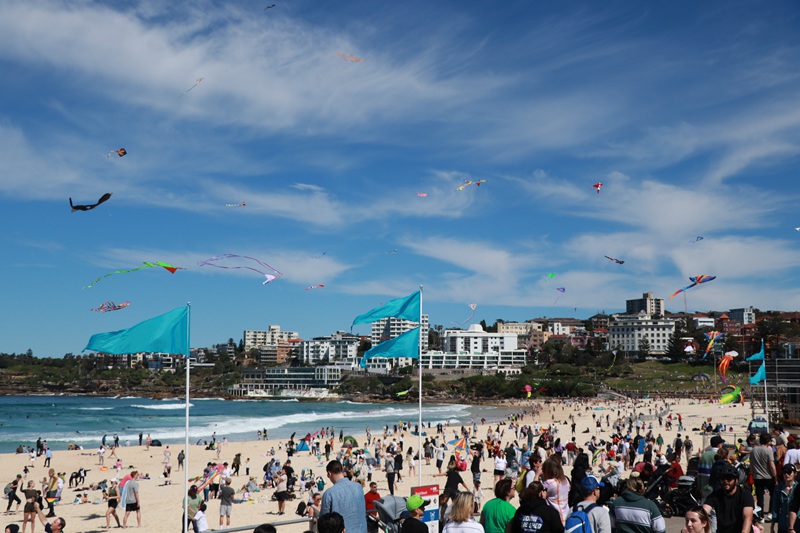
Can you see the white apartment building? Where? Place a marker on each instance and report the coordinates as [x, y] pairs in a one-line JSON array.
[[703, 322], [389, 328], [340, 347], [744, 316], [647, 304], [476, 341], [501, 359], [518, 328], [562, 328], [270, 337], [627, 331]]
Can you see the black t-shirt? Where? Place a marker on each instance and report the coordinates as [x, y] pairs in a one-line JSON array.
[[412, 525], [476, 464], [730, 508], [453, 481]]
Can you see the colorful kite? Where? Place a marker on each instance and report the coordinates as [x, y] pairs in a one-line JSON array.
[[422, 194], [528, 389], [197, 82], [242, 204], [147, 264], [695, 281], [561, 290], [467, 183], [317, 286], [107, 306], [89, 207], [598, 186], [613, 361], [121, 152], [211, 261], [473, 307], [549, 276], [712, 337], [732, 396], [617, 261], [725, 363], [350, 57]]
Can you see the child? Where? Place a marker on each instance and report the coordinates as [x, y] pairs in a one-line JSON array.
[[200, 522], [477, 493], [247, 467]]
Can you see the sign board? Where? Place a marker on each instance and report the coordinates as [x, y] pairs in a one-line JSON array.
[[431, 517]]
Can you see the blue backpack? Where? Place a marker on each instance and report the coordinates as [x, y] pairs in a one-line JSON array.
[[578, 520]]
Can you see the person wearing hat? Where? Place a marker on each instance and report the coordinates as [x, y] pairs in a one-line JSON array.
[[416, 506], [599, 519], [782, 500], [705, 464], [733, 506], [535, 513], [193, 501], [12, 494], [762, 468]]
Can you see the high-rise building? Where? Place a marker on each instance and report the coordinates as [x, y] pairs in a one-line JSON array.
[[271, 337], [389, 328], [744, 316], [627, 331], [648, 304]]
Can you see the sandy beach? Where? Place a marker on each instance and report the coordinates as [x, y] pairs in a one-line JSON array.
[[162, 504]]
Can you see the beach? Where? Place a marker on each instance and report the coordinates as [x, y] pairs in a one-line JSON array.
[[161, 503]]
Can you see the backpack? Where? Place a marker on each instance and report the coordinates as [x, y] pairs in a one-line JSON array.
[[7, 489], [520, 486], [578, 520], [301, 509], [320, 483]]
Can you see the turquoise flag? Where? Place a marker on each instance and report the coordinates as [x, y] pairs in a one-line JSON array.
[[166, 333], [405, 345], [760, 375], [757, 356], [406, 308]]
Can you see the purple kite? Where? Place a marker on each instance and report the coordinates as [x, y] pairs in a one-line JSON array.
[[211, 261]]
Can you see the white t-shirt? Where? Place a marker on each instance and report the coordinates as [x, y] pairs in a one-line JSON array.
[[200, 521], [500, 463]]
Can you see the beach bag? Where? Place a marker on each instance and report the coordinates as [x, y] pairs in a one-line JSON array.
[[301, 509], [320, 483], [578, 520]]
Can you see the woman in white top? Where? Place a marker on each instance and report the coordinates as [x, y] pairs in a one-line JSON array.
[[499, 466], [412, 465], [461, 520]]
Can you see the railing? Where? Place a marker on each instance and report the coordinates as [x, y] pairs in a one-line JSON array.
[[251, 528]]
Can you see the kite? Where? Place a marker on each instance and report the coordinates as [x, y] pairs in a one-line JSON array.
[[467, 183], [797, 229], [732, 396], [89, 207], [269, 7], [147, 264], [242, 204], [528, 389], [698, 239], [270, 277], [402, 393], [197, 82], [724, 363], [107, 306], [617, 261], [597, 186], [712, 337], [121, 152], [613, 361], [549, 276], [561, 290], [697, 280], [391, 251], [318, 286], [350, 57], [422, 194], [473, 307]]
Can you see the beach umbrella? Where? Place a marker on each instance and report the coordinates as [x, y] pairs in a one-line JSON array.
[[350, 442]]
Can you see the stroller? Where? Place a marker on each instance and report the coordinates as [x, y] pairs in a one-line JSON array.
[[391, 511], [683, 498]]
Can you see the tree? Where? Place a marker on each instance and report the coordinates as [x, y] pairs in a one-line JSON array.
[[644, 347], [675, 346]]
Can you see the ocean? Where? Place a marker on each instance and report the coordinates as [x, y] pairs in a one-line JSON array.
[[83, 420]]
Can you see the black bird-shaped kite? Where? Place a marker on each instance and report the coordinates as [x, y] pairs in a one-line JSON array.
[[269, 7], [89, 207], [617, 261]]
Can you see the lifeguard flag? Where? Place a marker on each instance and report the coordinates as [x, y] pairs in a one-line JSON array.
[[759, 376], [757, 356], [165, 333], [406, 308], [405, 345]]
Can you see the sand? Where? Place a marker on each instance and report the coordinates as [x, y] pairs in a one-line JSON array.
[[162, 504]]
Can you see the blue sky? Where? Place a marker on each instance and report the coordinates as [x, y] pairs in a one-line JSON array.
[[688, 113]]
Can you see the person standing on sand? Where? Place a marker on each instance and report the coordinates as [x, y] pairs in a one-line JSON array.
[[132, 503], [181, 457], [147, 442], [112, 497], [226, 495], [345, 497], [12, 494]]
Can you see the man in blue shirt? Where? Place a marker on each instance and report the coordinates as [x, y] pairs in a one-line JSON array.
[[346, 498]]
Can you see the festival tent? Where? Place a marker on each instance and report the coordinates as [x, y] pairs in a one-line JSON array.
[[302, 446]]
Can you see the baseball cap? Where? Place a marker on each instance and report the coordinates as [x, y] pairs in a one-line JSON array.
[[415, 502], [728, 470], [589, 483], [716, 440], [788, 468]]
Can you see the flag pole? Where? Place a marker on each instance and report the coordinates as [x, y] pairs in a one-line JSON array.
[[419, 361], [186, 431]]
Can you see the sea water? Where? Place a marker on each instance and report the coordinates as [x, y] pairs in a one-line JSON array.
[[83, 420]]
